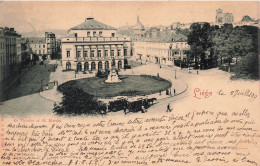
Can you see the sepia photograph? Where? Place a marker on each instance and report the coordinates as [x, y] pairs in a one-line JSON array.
[[129, 83]]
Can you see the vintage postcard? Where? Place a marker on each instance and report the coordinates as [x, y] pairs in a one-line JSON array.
[[129, 83]]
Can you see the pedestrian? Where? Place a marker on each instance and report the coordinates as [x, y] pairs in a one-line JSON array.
[[125, 109], [160, 66], [174, 91], [168, 108], [143, 109], [197, 71]]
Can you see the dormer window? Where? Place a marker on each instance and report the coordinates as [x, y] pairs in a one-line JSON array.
[[100, 33], [94, 33], [88, 33]]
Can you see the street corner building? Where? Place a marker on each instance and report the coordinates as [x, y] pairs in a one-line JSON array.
[[10, 52], [93, 46], [43, 45]]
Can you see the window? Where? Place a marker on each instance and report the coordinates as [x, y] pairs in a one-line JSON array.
[[43, 46], [112, 52], [39, 46], [100, 33], [88, 33], [118, 52], [92, 53], [94, 33], [40, 51], [78, 54], [76, 35], [113, 34], [43, 51], [99, 53], [106, 53], [35, 51], [125, 52], [85, 54], [68, 54]]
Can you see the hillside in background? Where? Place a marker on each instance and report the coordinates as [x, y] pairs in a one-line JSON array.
[[58, 32]]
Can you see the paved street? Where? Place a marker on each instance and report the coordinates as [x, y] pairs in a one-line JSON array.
[[212, 80], [31, 81]]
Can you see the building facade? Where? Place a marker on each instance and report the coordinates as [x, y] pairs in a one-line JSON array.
[[160, 52], [43, 45], [2, 55], [50, 40], [93, 46], [10, 52], [223, 18], [37, 45]]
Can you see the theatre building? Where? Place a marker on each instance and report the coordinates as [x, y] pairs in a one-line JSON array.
[[92, 46]]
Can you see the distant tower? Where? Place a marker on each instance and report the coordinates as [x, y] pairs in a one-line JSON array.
[[223, 18], [219, 15]]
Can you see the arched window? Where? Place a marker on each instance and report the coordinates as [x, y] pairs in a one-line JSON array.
[[68, 66], [99, 65], [106, 65], [86, 66], [79, 67], [93, 66], [119, 64]]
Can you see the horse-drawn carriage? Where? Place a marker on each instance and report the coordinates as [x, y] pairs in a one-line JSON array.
[[117, 105], [141, 104], [130, 104]]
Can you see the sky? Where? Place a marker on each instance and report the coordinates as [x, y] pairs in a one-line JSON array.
[[34, 16]]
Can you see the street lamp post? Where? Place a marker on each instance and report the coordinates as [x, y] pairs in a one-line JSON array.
[[175, 74], [41, 85]]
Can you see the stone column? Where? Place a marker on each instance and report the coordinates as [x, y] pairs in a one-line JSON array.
[[116, 64], [116, 53], [109, 51], [96, 65], [103, 65], [122, 51], [89, 51], [82, 54], [110, 64], [123, 63], [76, 52], [97, 50], [103, 51]]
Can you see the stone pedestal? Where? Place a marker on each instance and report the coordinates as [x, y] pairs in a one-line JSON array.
[[112, 77]]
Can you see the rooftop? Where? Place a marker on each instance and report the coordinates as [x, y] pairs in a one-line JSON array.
[[168, 37], [92, 24], [138, 25], [9, 31], [36, 40]]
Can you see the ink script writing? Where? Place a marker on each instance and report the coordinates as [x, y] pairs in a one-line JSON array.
[[200, 94], [198, 137]]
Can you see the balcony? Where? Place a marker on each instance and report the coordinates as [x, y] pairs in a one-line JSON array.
[[99, 58], [94, 39]]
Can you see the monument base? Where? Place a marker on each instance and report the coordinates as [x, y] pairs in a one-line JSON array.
[[112, 77]]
